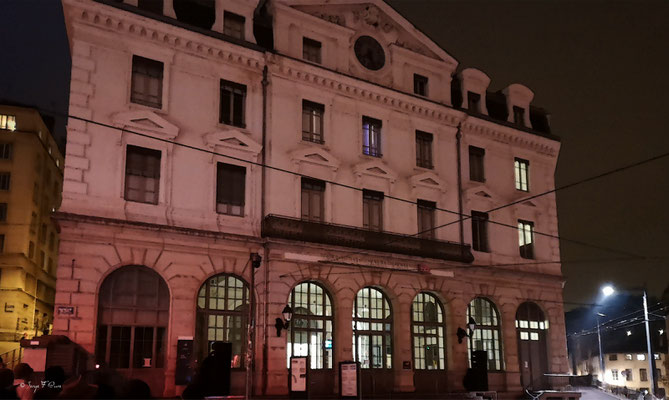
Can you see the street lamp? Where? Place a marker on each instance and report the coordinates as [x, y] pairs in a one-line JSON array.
[[608, 290]]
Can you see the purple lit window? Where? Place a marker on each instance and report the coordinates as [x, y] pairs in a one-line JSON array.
[[371, 136]]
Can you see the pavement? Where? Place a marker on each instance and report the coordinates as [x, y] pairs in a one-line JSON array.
[[589, 393]]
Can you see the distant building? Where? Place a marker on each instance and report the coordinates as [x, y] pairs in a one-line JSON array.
[[31, 177], [371, 133], [626, 369]]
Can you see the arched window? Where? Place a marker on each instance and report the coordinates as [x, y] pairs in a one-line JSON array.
[[372, 329], [133, 313], [427, 331], [487, 335], [530, 321], [311, 326], [222, 314]]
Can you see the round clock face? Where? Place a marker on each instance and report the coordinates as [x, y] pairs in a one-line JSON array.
[[369, 53]]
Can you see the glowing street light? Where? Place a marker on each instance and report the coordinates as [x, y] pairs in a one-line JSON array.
[[608, 290]]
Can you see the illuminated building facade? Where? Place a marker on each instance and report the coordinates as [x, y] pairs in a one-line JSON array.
[[368, 134]]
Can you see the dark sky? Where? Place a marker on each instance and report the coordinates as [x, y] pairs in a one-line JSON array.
[[599, 67]]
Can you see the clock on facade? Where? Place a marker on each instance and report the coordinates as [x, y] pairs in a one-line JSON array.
[[370, 53]]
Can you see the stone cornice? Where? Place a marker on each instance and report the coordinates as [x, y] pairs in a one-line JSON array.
[[508, 135], [366, 91], [128, 23]]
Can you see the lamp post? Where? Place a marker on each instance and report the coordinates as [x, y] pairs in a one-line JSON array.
[[601, 354], [608, 290]]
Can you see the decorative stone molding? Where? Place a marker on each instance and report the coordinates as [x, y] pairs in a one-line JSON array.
[[107, 18], [428, 180], [375, 168], [146, 121], [510, 136], [232, 139], [317, 156]]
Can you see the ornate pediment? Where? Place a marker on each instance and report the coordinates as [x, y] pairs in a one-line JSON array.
[[232, 139], [373, 16], [428, 180], [479, 191], [144, 121], [317, 156], [375, 168]]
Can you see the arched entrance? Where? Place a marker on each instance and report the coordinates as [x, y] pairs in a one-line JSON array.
[[429, 350], [372, 341], [133, 316], [222, 315], [532, 329], [311, 335]]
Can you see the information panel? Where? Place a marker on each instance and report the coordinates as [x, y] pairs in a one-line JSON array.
[[349, 379], [298, 374]]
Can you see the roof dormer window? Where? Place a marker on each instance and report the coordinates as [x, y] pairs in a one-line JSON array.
[[233, 25], [311, 50], [519, 115], [474, 102], [420, 85]]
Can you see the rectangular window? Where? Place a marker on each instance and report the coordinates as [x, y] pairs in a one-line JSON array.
[[233, 25], [519, 115], [52, 241], [372, 210], [311, 50], [312, 121], [424, 149], [628, 375], [473, 102], [420, 85], [476, 165], [5, 178], [6, 151], [2, 243], [628, 356], [33, 223], [522, 174], [147, 82], [50, 267], [480, 231], [426, 219], [371, 136], [154, 6], [526, 239], [641, 357], [656, 356], [614, 374], [230, 189], [42, 234], [613, 357], [142, 175], [31, 250], [42, 259], [643, 374], [36, 193], [313, 199], [233, 99], [8, 122], [3, 212]]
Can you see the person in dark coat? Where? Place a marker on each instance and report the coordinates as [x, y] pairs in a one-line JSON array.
[[7, 390], [215, 371]]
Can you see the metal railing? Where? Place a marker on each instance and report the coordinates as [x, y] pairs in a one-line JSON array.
[[12, 357]]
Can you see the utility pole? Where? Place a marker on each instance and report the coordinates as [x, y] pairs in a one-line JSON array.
[[602, 371], [651, 371]]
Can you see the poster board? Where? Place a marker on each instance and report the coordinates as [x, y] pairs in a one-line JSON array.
[[298, 376], [349, 379]]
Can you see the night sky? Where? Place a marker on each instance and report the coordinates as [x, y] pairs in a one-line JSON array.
[[600, 68]]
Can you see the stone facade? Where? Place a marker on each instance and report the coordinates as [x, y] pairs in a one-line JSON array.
[[188, 243], [32, 169]]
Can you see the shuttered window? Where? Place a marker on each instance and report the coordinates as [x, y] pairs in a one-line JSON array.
[[230, 189]]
